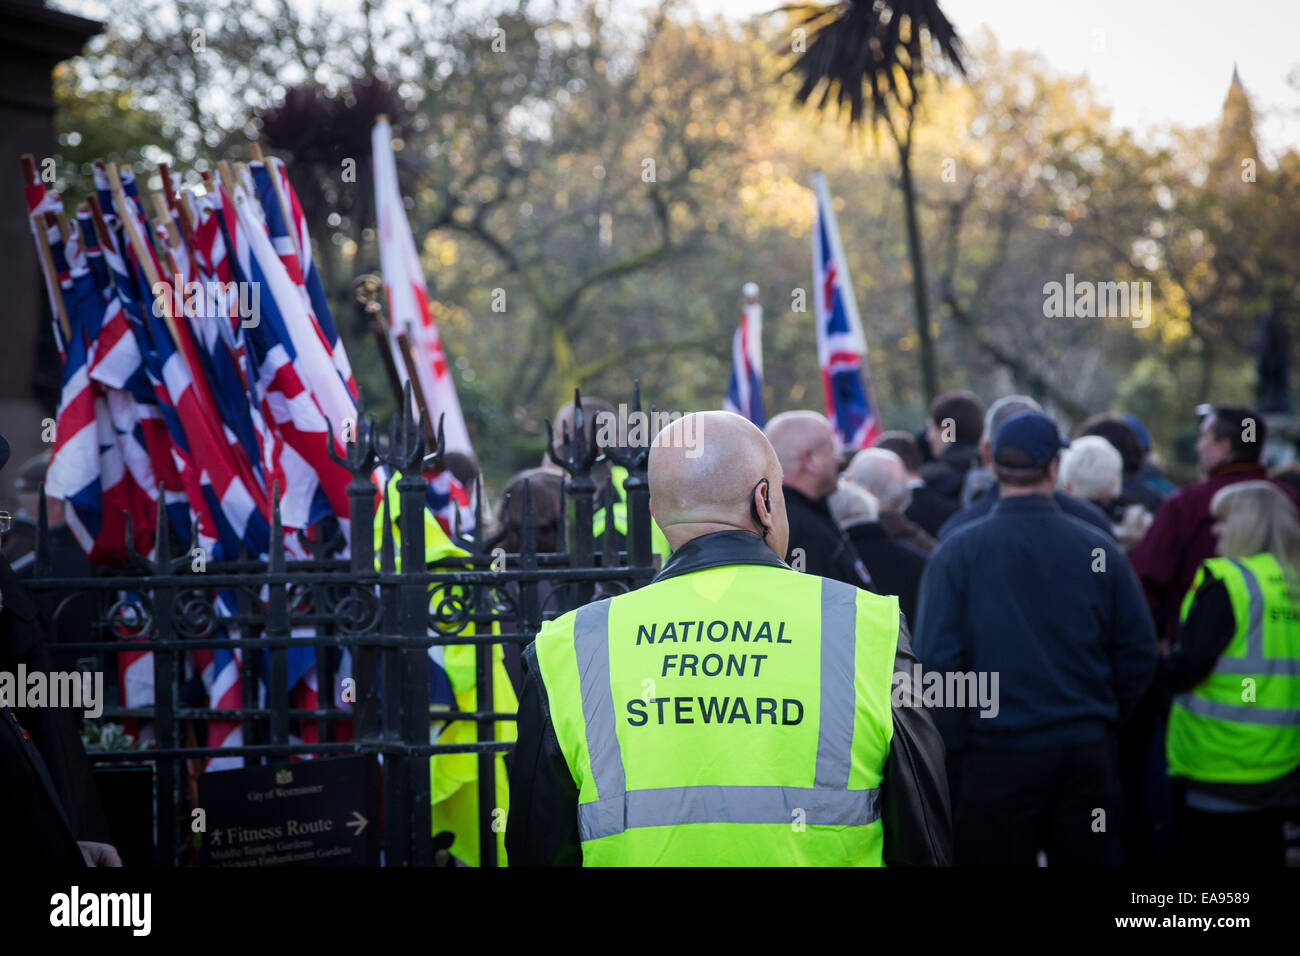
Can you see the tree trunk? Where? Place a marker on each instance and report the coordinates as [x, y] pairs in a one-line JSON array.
[[1207, 372], [562, 383], [929, 377]]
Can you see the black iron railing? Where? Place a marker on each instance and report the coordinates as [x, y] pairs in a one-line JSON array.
[[387, 608]]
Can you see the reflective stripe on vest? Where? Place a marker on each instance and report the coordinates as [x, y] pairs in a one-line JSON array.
[[1241, 724], [1252, 664], [1255, 663], [828, 802], [1243, 713]]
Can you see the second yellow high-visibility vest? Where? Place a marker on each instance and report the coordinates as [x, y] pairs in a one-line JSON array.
[[1242, 723], [735, 715], [453, 777], [617, 509]]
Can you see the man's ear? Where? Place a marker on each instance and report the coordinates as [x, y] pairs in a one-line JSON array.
[[760, 507]]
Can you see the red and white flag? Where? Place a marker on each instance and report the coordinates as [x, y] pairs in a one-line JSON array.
[[408, 297]]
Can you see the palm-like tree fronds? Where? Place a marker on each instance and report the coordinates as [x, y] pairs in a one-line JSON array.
[[861, 51]]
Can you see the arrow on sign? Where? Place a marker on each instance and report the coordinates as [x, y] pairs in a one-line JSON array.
[[360, 823]]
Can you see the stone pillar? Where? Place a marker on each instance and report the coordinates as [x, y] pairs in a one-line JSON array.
[[33, 39]]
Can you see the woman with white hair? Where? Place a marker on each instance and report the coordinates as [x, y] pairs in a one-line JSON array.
[[1093, 469], [1233, 741], [892, 566]]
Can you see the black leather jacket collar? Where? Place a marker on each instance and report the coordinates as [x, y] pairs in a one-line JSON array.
[[718, 549]]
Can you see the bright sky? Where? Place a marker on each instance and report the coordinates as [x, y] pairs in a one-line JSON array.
[[1156, 62]]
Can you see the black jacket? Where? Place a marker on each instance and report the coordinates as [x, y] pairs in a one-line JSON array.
[[901, 528], [946, 473], [543, 825], [930, 509], [983, 505], [895, 567], [55, 732], [34, 830], [826, 550]]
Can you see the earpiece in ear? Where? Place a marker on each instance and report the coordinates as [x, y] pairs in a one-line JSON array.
[[767, 503]]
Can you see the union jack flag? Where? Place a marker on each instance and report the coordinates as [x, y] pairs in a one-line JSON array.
[[290, 227], [841, 346]]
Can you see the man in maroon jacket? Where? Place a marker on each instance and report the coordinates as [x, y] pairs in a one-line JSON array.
[[1181, 536]]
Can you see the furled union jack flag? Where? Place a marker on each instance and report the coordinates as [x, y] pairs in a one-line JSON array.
[[841, 346], [745, 393]]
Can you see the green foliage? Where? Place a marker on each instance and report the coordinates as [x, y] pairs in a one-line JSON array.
[[107, 736], [95, 123], [553, 260]]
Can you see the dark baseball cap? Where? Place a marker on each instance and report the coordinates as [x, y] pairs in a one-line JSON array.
[[1144, 437], [1033, 436]]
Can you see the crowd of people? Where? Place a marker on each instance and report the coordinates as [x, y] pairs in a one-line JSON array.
[[1141, 641], [1145, 638]]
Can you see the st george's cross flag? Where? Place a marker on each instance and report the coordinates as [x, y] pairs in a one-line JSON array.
[[841, 346], [408, 297]]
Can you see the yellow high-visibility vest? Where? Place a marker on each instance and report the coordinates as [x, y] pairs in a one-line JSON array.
[[453, 778], [617, 510], [735, 715], [1242, 723]]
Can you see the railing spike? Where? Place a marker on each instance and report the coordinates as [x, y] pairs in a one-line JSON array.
[[528, 544], [478, 512], [387, 548], [161, 531]]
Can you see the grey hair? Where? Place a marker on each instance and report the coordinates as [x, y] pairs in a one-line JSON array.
[[1004, 408], [851, 504], [1093, 468], [889, 486]]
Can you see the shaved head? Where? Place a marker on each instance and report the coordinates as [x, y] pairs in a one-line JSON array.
[[703, 473], [805, 445]]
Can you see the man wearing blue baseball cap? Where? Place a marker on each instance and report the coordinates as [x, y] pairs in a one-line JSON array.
[[1043, 607]]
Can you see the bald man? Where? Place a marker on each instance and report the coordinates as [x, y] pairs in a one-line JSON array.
[[805, 446], [733, 711]]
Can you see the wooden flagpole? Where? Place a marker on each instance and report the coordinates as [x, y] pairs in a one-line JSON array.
[[366, 290], [144, 256], [227, 180], [285, 211], [176, 200], [106, 240], [46, 256], [404, 346]]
